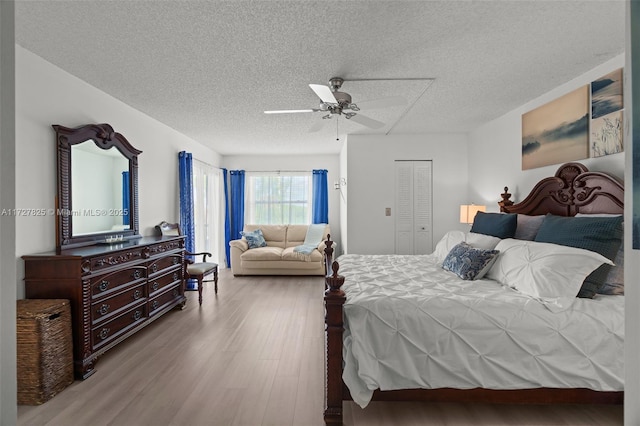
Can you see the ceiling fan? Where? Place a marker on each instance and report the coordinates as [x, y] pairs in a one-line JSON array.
[[334, 102]]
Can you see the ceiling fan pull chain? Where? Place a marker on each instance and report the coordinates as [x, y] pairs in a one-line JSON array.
[[337, 137]]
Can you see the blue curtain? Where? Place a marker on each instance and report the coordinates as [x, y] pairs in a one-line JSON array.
[[237, 203], [227, 219], [320, 203], [185, 170], [126, 214]]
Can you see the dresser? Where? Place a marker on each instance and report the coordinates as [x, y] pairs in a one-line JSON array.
[[114, 290]]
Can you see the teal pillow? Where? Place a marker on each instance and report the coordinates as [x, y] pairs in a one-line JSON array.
[[255, 238], [469, 263], [496, 224], [602, 235]]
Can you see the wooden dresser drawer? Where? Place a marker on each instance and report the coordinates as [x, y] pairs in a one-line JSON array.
[[107, 308], [157, 303], [105, 285], [166, 246], [159, 283], [159, 265], [118, 258], [111, 330]]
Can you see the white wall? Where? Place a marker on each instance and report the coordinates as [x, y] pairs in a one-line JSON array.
[[47, 95], [495, 149], [371, 185], [344, 243], [302, 163], [8, 381]]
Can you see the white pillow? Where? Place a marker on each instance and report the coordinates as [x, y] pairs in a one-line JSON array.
[[444, 246], [481, 241], [550, 273]]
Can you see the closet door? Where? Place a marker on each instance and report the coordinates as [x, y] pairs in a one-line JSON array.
[[413, 206]]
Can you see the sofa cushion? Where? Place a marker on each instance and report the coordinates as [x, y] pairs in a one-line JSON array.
[[296, 235], [262, 253], [275, 235], [289, 254]]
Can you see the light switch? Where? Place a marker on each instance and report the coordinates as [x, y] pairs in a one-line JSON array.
[[387, 211]]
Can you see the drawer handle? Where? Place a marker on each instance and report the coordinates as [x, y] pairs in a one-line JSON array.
[[175, 260], [155, 286], [154, 305], [175, 276], [104, 309], [104, 284], [154, 267], [136, 274], [137, 315], [104, 333], [175, 292], [137, 294]]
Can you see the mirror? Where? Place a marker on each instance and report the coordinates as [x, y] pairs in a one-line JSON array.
[[97, 198], [98, 205]]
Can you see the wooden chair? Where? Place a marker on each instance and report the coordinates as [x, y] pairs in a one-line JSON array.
[[193, 270]]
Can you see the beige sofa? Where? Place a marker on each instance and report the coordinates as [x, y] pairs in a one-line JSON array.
[[278, 257]]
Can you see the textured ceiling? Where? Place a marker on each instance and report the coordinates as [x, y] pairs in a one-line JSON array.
[[210, 68]]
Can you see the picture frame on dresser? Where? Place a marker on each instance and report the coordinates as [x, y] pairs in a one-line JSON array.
[[116, 281]]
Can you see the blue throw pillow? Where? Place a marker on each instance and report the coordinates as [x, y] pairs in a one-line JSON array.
[[599, 234], [497, 224], [255, 238], [469, 263]]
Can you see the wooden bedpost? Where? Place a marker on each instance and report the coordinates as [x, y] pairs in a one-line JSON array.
[[328, 256], [506, 202], [334, 299]]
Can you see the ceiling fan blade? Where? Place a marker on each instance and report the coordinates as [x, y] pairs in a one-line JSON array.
[[383, 102], [366, 121], [324, 93], [290, 111], [317, 126]]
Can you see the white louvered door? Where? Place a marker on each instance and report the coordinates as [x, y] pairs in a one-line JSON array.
[[413, 206]]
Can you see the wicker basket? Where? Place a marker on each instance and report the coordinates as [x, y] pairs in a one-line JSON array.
[[45, 355]]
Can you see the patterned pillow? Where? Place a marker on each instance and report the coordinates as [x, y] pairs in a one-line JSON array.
[[255, 238], [469, 263], [602, 235]]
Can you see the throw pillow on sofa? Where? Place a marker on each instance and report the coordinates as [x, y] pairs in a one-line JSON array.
[[255, 238]]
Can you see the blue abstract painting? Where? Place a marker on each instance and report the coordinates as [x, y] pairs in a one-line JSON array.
[[557, 132]]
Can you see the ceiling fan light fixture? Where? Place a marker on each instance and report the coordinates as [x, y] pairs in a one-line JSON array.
[[288, 111], [334, 102]]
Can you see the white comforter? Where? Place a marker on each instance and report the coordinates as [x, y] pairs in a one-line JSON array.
[[410, 324]]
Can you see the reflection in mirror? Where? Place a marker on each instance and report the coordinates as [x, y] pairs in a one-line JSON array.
[[100, 188]]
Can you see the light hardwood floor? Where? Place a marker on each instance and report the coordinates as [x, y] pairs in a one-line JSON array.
[[253, 355]]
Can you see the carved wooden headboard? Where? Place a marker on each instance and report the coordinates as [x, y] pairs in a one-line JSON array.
[[573, 189]]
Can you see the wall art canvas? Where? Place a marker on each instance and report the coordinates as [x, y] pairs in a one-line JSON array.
[[557, 132], [606, 115]]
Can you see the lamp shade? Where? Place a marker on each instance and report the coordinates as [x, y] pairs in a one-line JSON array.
[[468, 212]]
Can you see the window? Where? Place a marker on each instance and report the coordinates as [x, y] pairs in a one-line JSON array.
[[208, 215], [278, 198]]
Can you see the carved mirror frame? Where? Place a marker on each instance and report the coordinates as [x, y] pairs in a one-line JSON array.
[[104, 137]]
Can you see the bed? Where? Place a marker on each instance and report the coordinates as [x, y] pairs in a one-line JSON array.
[[409, 328]]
